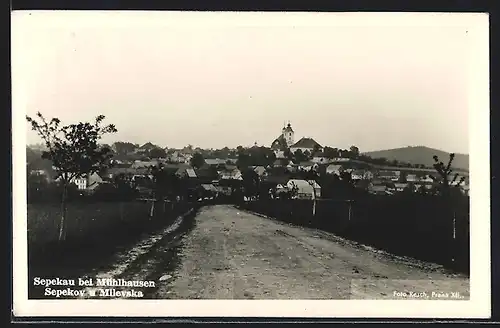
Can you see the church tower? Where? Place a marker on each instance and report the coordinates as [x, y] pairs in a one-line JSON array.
[[288, 134]]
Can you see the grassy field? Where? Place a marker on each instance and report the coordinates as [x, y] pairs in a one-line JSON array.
[[82, 219], [95, 232]]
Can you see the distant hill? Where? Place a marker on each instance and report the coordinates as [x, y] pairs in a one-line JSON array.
[[421, 155]]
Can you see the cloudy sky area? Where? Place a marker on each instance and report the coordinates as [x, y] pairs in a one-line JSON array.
[[214, 80]]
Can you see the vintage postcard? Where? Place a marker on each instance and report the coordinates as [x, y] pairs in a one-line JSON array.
[[179, 164]]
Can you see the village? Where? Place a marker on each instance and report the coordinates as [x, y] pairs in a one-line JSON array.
[[304, 166]]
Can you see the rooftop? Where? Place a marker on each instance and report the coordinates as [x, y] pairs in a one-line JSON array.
[[306, 143]]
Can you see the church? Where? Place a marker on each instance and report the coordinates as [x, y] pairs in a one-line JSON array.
[[286, 140]]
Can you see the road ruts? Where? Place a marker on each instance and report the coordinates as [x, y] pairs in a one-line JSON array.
[[233, 254]]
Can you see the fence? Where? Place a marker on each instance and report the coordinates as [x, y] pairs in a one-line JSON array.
[[95, 231], [422, 227]]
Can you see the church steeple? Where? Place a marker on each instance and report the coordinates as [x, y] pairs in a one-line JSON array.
[[288, 134]]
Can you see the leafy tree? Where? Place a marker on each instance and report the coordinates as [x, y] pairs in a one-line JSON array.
[[354, 151], [410, 188], [73, 150], [316, 149], [330, 152], [291, 192], [422, 190], [124, 147], [346, 176], [157, 153], [197, 160], [283, 146], [243, 161], [299, 156], [251, 182], [288, 154], [36, 185]]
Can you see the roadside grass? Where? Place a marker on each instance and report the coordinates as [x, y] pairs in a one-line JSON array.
[[95, 233]]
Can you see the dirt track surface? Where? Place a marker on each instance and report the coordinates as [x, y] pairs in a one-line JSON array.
[[233, 254]]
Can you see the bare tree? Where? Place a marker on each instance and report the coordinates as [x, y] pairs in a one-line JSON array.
[[445, 172]]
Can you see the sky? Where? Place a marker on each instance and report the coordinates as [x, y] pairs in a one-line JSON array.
[[377, 81]]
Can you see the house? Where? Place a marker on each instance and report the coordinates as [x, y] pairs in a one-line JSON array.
[[230, 167], [116, 171], [340, 160], [321, 160], [305, 144], [141, 174], [207, 190], [425, 185], [88, 182], [176, 157], [391, 175], [206, 174], [280, 162], [292, 168], [279, 154], [41, 173], [306, 166], [186, 172], [209, 187], [466, 189], [273, 181], [188, 150], [228, 186], [411, 178], [145, 149], [426, 178], [144, 164], [186, 158], [357, 175], [378, 189], [400, 186], [234, 174], [260, 170], [216, 161], [316, 187], [368, 175], [305, 189], [334, 169]]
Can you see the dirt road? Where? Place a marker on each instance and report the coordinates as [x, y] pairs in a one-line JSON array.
[[233, 254]]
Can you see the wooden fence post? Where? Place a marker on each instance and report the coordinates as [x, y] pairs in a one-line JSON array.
[[454, 225], [121, 211], [454, 242], [151, 212], [349, 210]]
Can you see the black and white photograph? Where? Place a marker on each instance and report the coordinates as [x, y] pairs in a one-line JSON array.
[[322, 161]]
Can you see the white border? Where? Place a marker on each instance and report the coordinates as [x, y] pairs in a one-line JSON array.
[[477, 307]]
